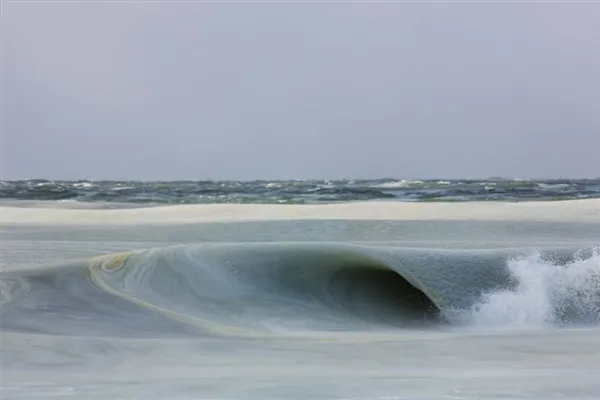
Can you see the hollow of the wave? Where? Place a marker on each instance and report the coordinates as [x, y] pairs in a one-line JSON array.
[[380, 296]]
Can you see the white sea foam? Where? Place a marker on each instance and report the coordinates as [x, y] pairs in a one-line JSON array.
[[546, 294], [396, 184], [84, 185]]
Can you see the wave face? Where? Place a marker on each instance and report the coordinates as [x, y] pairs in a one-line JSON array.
[[134, 193], [258, 289]]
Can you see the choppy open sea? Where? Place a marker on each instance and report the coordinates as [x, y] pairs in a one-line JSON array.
[[301, 191], [355, 290]]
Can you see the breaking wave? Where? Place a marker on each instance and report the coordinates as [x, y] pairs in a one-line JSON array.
[[301, 288]]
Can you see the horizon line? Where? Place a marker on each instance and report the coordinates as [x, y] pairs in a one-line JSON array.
[[345, 179]]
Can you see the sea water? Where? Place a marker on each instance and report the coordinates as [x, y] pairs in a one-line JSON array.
[[371, 300]]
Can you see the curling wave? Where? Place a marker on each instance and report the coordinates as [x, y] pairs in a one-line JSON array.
[[300, 288]]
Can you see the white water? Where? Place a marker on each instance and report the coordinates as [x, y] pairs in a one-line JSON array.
[[543, 293]]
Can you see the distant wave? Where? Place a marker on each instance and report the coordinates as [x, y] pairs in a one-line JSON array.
[[299, 191], [308, 288]]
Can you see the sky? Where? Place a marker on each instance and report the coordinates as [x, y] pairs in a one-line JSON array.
[[263, 90]]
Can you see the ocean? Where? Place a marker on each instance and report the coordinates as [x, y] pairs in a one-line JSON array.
[[300, 191], [263, 290]]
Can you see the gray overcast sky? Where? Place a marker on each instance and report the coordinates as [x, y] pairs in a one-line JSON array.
[[260, 90]]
